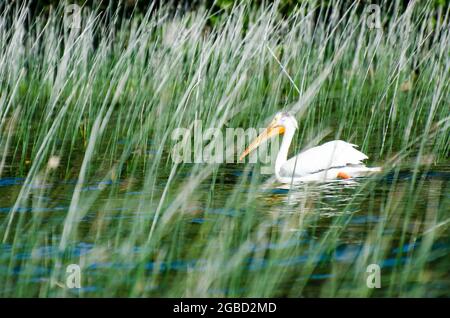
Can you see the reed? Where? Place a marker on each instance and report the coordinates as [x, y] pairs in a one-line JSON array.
[[86, 176]]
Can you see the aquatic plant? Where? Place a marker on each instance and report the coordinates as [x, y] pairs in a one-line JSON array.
[[86, 176]]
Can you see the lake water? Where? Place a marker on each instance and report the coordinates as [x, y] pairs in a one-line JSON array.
[[326, 201]]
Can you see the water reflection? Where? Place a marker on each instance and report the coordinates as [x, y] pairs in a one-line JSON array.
[[281, 206], [328, 199]]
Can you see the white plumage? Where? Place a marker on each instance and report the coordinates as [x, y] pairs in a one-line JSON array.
[[336, 153], [332, 160]]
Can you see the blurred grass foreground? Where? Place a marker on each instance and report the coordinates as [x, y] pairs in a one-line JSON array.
[[89, 99]]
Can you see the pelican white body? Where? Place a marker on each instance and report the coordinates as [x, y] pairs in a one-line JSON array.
[[331, 160]]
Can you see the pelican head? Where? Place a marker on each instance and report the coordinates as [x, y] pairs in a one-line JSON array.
[[281, 122]]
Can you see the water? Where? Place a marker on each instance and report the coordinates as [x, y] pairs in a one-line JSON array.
[[343, 206]]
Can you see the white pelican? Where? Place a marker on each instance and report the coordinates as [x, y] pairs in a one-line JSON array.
[[335, 159]]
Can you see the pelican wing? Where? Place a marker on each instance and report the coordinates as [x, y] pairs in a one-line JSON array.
[[336, 153]]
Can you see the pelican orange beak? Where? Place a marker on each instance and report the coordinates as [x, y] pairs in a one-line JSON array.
[[272, 130]]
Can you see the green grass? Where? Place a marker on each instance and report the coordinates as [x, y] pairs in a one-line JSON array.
[[106, 98]]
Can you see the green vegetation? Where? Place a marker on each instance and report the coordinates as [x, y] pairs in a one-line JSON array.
[[86, 177]]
